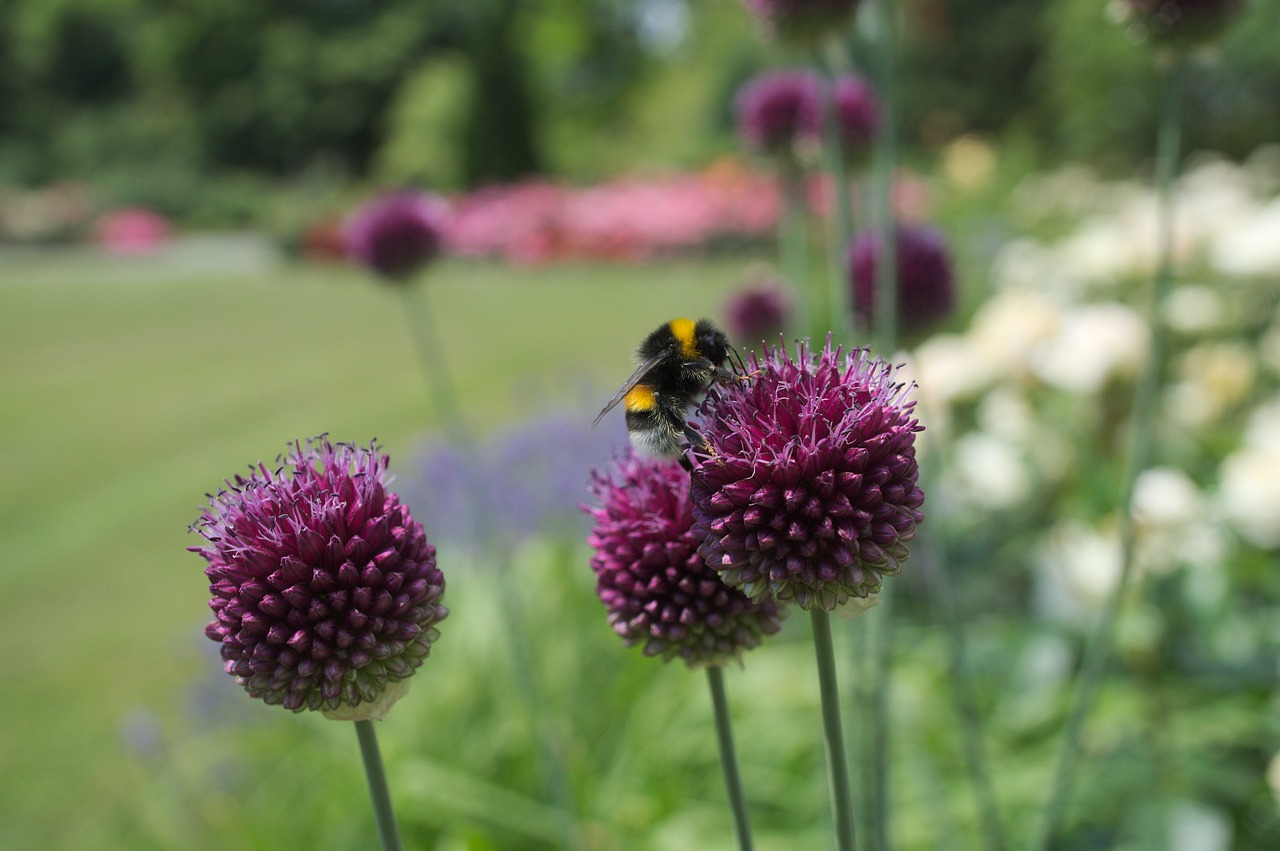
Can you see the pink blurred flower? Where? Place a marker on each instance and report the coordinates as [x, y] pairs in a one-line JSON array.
[[627, 219], [132, 230]]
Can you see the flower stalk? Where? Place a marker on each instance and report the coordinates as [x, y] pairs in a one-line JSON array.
[[793, 244], [838, 297], [1097, 650], [728, 757], [833, 732], [972, 734], [379, 794], [444, 397], [884, 334]]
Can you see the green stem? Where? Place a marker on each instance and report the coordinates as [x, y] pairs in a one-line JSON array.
[[728, 758], [836, 299], [885, 315], [884, 334], [378, 792], [435, 370], [972, 734], [882, 630], [862, 668], [793, 243], [1141, 451], [837, 764]]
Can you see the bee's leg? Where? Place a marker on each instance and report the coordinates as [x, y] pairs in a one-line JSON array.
[[728, 376], [696, 441]]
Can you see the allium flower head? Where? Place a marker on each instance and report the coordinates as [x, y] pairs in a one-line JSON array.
[[802, 21], [806, 489], [777, 108], [760, 311], [396, 234], [926, 284], [858, 111], [325, 591], [1184, 23], [650, 577]]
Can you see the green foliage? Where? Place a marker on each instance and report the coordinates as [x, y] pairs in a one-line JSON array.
[[1101, 87], [427, 124], [966, 65]]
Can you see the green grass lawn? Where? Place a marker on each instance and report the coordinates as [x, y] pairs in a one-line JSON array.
[[130, 388]]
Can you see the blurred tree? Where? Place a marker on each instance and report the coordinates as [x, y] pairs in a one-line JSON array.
[[1101, 89], [176, 101], [966, 65], [500, 137]]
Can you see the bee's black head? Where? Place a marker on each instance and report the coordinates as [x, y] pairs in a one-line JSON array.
[[712, 342]]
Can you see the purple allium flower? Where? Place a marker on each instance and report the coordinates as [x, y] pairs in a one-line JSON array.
[[802, 21], [655, 586], [326, 592], [760, 311], [858, 111], [775, 109], [926, 284], [1180, 22], [396, 234], [806, 488]]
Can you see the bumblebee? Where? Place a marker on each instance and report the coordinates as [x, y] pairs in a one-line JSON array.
[[677, 363]]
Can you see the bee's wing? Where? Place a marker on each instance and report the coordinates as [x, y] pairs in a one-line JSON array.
[[627, 386]]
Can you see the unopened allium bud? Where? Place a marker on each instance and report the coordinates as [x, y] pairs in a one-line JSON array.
[[1181, 23], [397, 234], [926, 283], [806, 489], [776, 109], [655, 586], [758, 312], [802, 21], [858, 114], [326, 594]]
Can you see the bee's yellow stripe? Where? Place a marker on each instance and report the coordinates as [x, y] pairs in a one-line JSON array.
[[683, 331], [640, 398]]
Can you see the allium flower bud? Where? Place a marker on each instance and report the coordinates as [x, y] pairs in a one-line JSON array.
[[396, 234], [926, 284], [858, 113], [325, 591], [655, 586], [760, 311], [806, 487], [775, 109], [802, 21], [1184, 23]]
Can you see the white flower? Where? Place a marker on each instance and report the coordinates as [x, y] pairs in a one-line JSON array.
[[1194, 309], [1249, 480], [989, 471], [1100, 252], [1077, 567], [1173, 523], [1194, 826], [1094, 343], [1273, 776], [1213, 379], [1214, 198], [1031, 265], [949, 368], [1269, 346], [1262, 431], [1009, 327], [1252, 247]]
